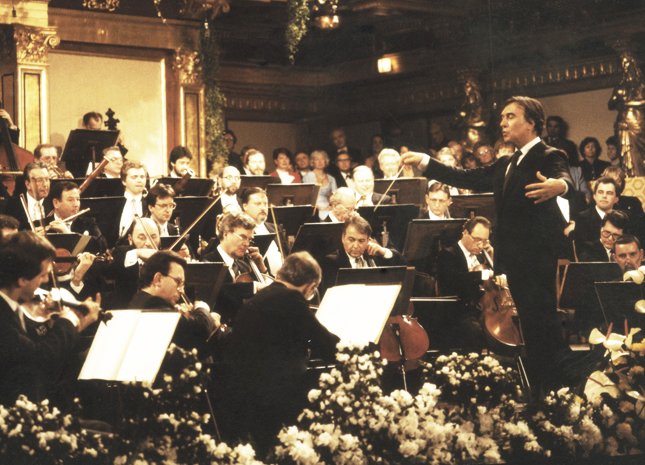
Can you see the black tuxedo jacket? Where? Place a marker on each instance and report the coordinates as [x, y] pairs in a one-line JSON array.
[[14, 208], [28, 365], [453, 276], [126, 279], [87, 223], [592, 252], [339, 259], [587, 226], [525, 230]]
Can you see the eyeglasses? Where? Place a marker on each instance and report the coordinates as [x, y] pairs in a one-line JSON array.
[[606, 234], [232, 178], [479, 240], [167, 206], [242, 238], [178, 281], [40, 180]]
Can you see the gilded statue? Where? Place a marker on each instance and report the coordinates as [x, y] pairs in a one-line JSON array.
[[628, 98], [469, 119]]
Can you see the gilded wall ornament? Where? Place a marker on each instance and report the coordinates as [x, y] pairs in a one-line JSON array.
[[32, 44], [103, 5], [188, 65]]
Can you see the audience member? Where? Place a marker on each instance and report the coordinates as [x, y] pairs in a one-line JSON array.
[[179, 162], [592, 166], [283, 160], [319, 176]]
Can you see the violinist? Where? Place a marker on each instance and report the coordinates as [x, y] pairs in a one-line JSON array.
[[359, 250], [162, 279], [461, 269], [230, 181], [48, 154], [37, 183], [179, 162], [161, 205], [29, 365], [342, 203], [262, 383], [235, 234], [133, 176], [8, 225], [255, 203], [66, 200]]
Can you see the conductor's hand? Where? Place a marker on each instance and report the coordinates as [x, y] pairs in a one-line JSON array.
[[545, 189], [412, 158], [374, 249]]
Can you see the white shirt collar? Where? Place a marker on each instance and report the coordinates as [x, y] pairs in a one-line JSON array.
[[261, 229], [333, 217], [228, 260], [432, 216], [600, 212], [131, 196], [470, 257], [528, 147]]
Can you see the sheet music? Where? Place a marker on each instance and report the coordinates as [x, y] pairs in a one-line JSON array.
[[131, 346], [357, 313]]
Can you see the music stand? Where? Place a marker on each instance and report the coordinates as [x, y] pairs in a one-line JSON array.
[[471, 205], [205, 280], [292, 194], [194, 187], [402, 275], [394, 217], [107, 213], [247, 180], [437, 316], [85, 146], [291, 217], [188, 209], [425, 238], [74, 243], [263, 241], [617, 300], [100, 187], [404, 190], [319, 239], [167, 241]]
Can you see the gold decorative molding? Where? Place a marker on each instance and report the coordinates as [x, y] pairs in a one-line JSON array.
[[33, 44], [188, 65]]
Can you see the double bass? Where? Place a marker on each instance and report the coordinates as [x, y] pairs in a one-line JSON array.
[[13, 158]]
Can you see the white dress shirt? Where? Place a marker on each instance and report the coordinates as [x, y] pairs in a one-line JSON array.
[[133, 206]]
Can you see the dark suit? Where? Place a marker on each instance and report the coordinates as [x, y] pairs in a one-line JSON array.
[[262, 382], [14, 208], [592, 252], [527, 239], [27, 365], [339, 259], [126, 279], [594, 170], [88, 223]]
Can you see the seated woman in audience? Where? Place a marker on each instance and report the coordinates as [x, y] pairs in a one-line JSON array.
[[319, 176], [592, 166], [283, 161]]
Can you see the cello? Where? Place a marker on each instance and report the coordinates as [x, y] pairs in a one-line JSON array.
[[13, 158]]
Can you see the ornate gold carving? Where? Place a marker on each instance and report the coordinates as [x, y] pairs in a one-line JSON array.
[[104, 5], [32, 44], [197, 8], [188, 65]]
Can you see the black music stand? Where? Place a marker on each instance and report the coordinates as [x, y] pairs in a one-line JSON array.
[[402, 275], [85, 147], [100, 187], [292, 194], [167, 241], [319, 239], [107, 213], [393, 217], [195, 187], [470, 205], [578, 291], [425, 238], [74, 243], [404, 190], [247, 180], [263, 241], [204, 280], [188, 209], [290, 218], [617, 301]]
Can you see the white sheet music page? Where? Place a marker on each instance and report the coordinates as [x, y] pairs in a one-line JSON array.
[[357, 313]]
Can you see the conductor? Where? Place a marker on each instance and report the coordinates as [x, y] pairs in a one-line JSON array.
[[525, 188]]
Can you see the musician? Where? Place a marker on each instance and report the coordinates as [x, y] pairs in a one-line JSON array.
[[93, 120], [359, 251], [37, 183], [48, 154], [461, 269], [628, 253], [14, 132], [254, 163], [8, 225], [143, 241], [161, 205], [587, 222], [612, 227], [342, 203], [438, 201], [179, 162], [255, 203], [529, 225], [263, 384], [364, 188], [29, 365], [66, 199], [235, 233], [230, 181], [162, 279], [115, 163], [133, 178], [389, 161]]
